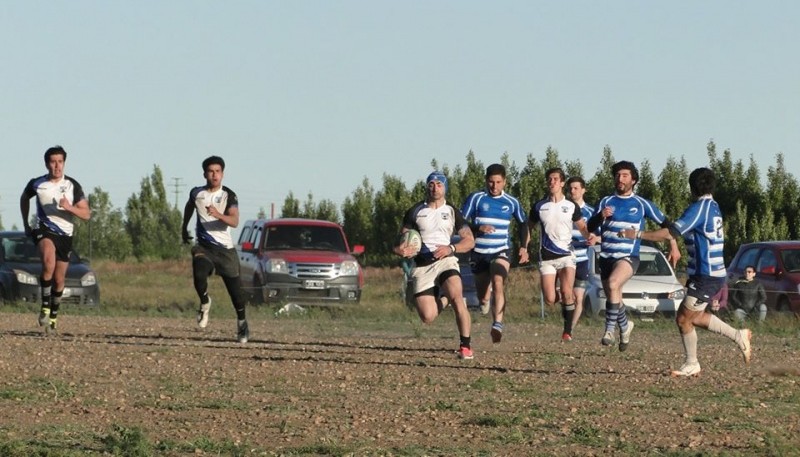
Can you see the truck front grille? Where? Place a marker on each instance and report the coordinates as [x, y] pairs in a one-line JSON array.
[[314, 270]]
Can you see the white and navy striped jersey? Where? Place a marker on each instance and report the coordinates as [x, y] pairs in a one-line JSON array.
[[50, 215], [701, 227], [579, 246], [481, 208], [436, 226], [555, 220], [630, 211], [210, 230]]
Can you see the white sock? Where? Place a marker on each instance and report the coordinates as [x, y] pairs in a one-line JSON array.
[[716, 325], [690, 346]]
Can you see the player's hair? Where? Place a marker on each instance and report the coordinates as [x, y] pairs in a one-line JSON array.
[[495, 169], [576, 179], [55, 150], [702, 182], [214, 160], [555, 170], [625, 165]]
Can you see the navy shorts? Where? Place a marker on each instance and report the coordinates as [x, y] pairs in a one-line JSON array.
[[62, 243], [582, 271], [482, 263], [703, 287], [607, 265]]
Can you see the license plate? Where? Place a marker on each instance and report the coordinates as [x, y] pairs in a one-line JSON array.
[[648, 309], [313, 284], [67, 292]]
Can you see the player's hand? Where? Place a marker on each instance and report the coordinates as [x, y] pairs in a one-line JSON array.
[[524, 257], [187, 239], [592, 240]]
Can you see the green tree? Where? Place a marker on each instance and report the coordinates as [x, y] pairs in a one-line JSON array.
[[291, 206], [104, 235], [153, 225], [391, 204], [672, 191], [358, 217], [784, 195], [602, 182]]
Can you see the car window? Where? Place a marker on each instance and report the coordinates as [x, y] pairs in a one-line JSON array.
[[748, 257], [20, 250], [245, 235], [653, 264], [791, 260], [767, 261]]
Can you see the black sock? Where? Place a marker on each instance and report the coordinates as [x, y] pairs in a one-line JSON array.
[[465, 341], [55, 304], [568, 311]]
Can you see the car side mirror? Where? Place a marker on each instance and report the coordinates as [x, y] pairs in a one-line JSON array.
[[358, 249], [247, 246]]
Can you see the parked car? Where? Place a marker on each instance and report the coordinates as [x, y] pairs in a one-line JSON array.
[[21, 268], [777, 266], [468, 288], [654, 288], [305, 260]]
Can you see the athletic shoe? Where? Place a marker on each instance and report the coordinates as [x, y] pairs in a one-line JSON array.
[[687, 370], [485, 307], [747, 352], [51, 326], [566, 337], [202, 314], [608, 339], [496, 332], [44, 317], [464, 353], [625, 337], [242, 331]]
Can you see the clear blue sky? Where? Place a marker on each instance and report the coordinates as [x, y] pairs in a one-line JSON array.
[[313, 96]]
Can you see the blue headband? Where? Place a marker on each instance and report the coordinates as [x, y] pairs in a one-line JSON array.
[[437, 176]]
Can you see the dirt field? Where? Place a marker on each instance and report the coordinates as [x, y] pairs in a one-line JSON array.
[[355, 387]]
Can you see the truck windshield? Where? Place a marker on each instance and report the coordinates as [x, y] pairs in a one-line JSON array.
[[305, 238]]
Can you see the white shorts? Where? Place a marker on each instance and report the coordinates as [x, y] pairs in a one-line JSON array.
[[427, 276], [551, 267]]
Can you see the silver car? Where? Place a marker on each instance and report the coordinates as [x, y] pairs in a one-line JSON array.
[[652, 289]]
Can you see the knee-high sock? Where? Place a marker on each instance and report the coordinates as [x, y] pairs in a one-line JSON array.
[[690, 346]]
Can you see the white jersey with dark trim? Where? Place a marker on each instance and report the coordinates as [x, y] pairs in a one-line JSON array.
[[210, 230], [555, 220], [436, 226], [484, 209], [50, 215]]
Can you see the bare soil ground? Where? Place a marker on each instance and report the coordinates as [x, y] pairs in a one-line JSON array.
[[354, 387]]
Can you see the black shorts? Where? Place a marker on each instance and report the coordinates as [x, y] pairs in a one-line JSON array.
[[63, 243], [703, 287], [225, 261], [582, 271], [482, 263], [607, 265]]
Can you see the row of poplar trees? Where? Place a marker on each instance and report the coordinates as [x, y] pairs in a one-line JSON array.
[[149, 227]]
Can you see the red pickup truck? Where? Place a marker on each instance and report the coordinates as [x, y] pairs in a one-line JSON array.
[[304, 260]]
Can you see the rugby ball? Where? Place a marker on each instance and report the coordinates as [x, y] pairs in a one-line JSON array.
[[413, 239]]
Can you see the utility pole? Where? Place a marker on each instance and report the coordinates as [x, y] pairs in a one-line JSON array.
[[177, 184]]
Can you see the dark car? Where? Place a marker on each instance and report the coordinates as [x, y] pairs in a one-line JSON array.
[[777, 265], [21, 267]]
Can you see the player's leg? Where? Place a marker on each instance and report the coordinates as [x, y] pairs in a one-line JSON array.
[[59, 276], [499, 273], [226, 264], [202, 267], [47, 252], [483, 281], [614, 274], [450, 282], [566, 278], [579, 289]]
